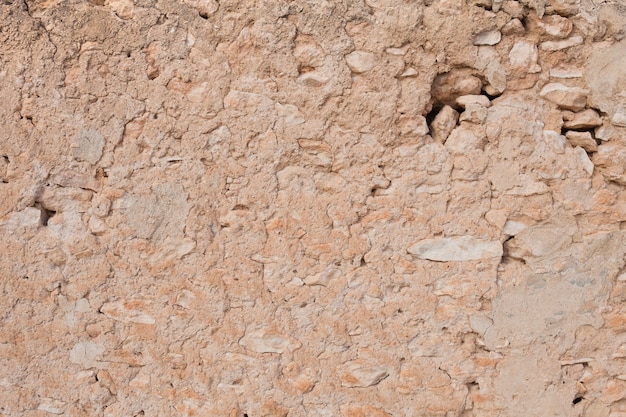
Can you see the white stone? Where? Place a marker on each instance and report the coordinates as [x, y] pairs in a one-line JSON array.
[[361, 61], [565, 73], [551, 46], [490, 37], [265, 341], [457, 248], [525, 55]]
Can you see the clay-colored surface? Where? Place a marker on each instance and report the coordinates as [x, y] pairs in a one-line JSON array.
[[313, 208]]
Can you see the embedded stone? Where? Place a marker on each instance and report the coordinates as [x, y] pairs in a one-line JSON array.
[[456, 249]]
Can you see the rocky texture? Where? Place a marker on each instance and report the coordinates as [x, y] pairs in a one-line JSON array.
[[313, 208]]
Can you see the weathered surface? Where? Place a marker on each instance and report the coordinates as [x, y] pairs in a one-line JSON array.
[[313, 208]]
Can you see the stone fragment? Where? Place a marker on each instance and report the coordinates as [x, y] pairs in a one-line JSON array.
[[361, 61], [584, 160], [585, 119], [570, 98], [409, 72], [290, 113], [556, 26], [52, 406], [267, 341], [479, 99], [474, 113], [488, 61], [513, 8], [129, 311], [360, 374], [513, 227], [582, 139], [565, 73], [565, 7], [86, 354], [447, 87], [443, 123], [551, 46], [323, 278], [490, 37], [497, 218], [619, 118], [555, 141], [513, 28], [525, 55], [465, 139], [611, 157], [457, 248], [88, 146], [606, 132]]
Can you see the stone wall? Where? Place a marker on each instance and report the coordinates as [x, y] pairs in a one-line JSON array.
[[255, 208]]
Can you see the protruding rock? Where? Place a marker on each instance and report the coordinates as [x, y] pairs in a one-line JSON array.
[[443, 124], [361, 61], [585, 162], [490, 37], [584, 120], [480, 99], [606, 132], [570, 98], [582, 139], [447, 87], [457, 248]]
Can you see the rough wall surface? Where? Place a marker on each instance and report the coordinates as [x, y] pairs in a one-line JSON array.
[[313, 208]]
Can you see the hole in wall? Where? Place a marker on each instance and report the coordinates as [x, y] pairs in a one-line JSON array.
[[46, 214], [430, 116], [577, 400]]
